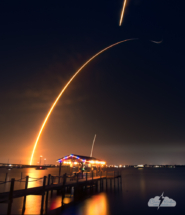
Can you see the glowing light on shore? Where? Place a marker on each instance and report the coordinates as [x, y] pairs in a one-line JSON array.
[[122, 12], [97, 162], [65, 87]]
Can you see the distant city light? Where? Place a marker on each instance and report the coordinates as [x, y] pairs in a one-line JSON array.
[[140, 165]]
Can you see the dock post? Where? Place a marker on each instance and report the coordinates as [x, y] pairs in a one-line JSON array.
[[49, 176], [63, 194], [86, 183], [63, 188], [11, 196], [43, 193], [59, 172], [21, 176], [92, 174], [114, 179], [24, 201], [121, 181], [51, 183], [6, 177]]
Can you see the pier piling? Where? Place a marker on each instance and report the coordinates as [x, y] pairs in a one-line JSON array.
[[6, 177], [49, 176], [43, 193], [11, 196], [114, 180], [24, 201]]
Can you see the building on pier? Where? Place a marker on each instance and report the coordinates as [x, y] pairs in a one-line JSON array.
[[82, 162]]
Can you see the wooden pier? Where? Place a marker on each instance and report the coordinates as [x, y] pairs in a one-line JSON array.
[[80, 183]]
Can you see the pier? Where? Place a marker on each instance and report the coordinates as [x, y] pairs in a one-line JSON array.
[[80, 183]]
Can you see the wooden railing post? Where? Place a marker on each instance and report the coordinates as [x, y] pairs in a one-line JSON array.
[[52, 184], [86, 182], [59, 172], [49, 176], [121, 181], [24, 201], [43, 193], [6, 177], [11, 196], [114, 179]]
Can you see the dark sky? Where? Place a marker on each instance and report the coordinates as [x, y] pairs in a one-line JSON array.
[[132, 96]]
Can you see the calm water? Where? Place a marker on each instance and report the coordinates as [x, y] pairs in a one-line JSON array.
[[138, 186]]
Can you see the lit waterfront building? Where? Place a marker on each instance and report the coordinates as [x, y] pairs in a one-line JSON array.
[[83, 162]]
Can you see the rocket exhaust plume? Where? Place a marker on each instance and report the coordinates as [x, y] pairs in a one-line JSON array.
[[157, 42], [93, 145], [122, 12], [65, 87]]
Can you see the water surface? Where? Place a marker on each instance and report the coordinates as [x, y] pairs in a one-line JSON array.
[[138, 186]]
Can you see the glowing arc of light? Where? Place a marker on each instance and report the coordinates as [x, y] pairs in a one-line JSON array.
[[122, 12], [93, 145], [60, 94], [157, 42]]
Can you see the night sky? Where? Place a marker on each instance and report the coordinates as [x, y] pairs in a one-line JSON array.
[[132, 96]]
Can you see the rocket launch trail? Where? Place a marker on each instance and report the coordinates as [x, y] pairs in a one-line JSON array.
[[70, 80], [122, 12], [65, 87]]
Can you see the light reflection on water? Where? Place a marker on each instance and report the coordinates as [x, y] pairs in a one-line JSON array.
[[56, 201], [33, 204], [138, 187], [96, 205]]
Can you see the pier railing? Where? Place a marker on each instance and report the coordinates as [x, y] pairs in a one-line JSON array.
[[77, 181], [55, 179]]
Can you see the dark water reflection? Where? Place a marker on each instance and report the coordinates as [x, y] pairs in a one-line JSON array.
[[138, 186]]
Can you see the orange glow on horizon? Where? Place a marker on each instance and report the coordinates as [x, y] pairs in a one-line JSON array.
[[122, 13], [65, 87]]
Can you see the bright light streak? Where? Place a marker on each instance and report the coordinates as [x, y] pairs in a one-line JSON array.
[[122, 13], [157, 42], [63, 90]]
